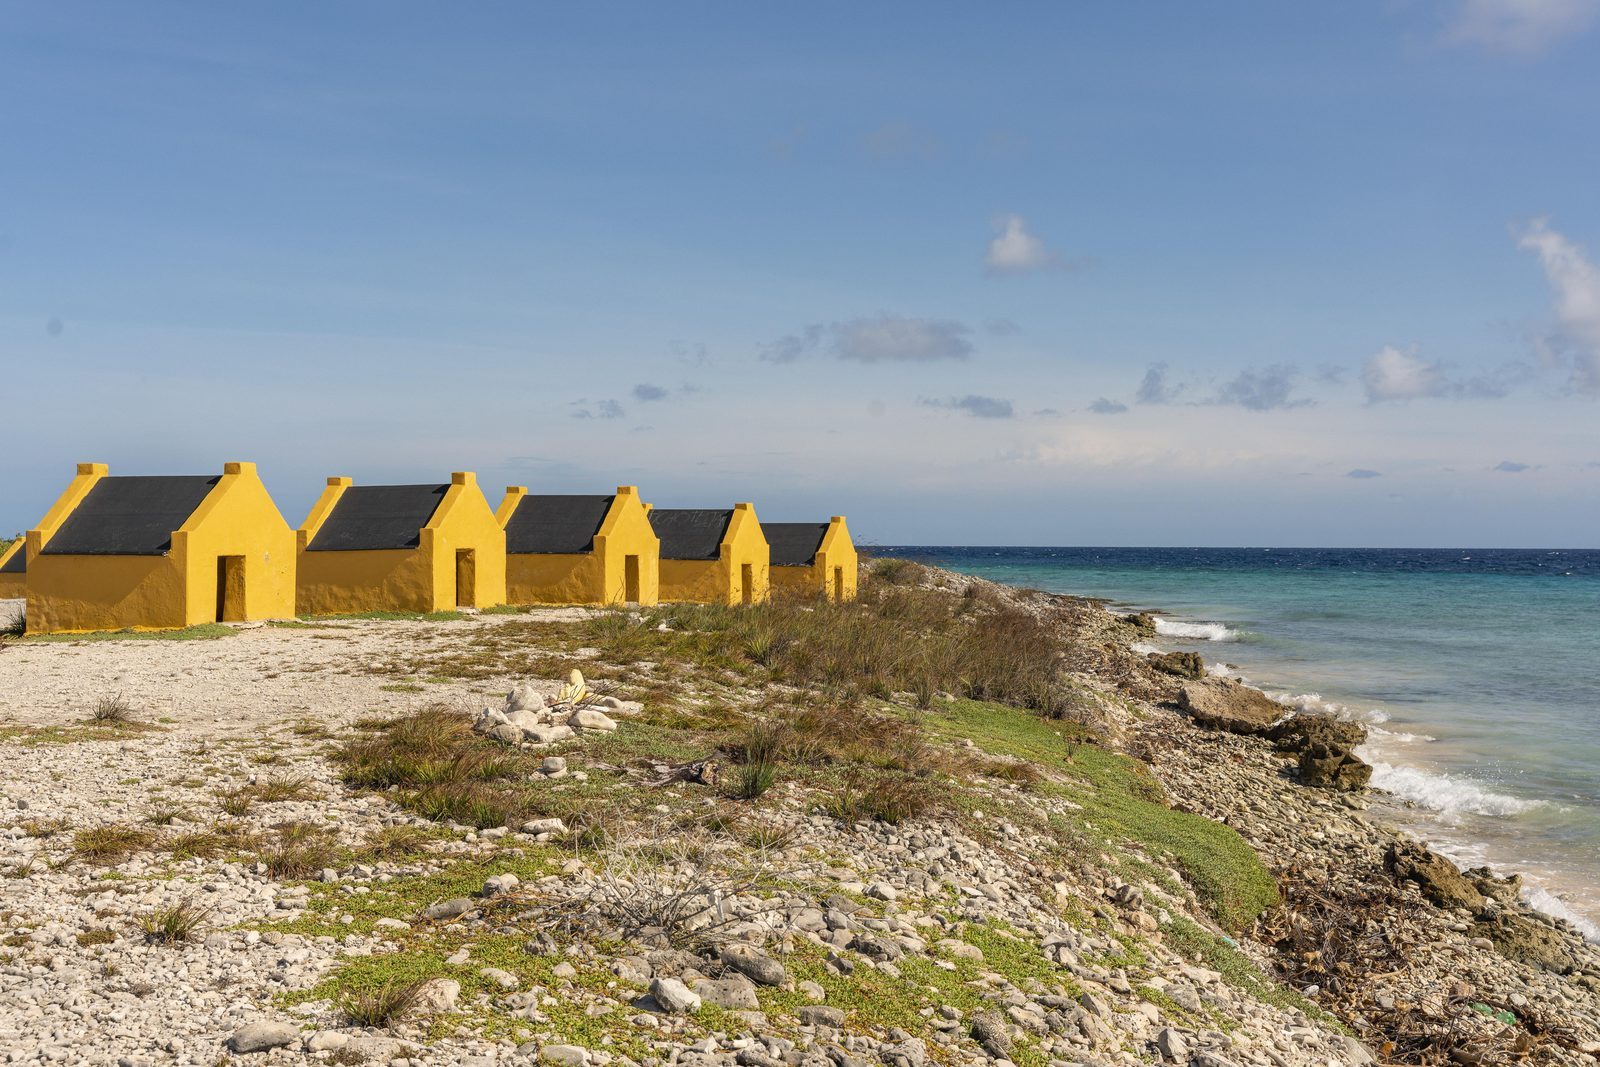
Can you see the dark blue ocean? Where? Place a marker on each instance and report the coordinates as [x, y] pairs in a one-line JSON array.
[[1478, 671]]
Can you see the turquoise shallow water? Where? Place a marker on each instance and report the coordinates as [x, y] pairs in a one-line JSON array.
[[1478, 672]]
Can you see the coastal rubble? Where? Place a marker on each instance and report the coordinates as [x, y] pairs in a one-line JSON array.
[[700, 938]]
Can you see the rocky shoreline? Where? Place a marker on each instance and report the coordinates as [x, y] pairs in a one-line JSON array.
[[1143, 874]]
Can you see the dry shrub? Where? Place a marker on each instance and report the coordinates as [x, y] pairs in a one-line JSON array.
[[112, 710], [673, 895]]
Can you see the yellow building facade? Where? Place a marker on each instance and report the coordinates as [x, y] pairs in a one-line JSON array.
[[159, 553], [14, 571], [579, 549], [709, 556], [812, 558], [400, 548]]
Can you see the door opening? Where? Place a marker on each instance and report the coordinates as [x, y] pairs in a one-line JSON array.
[[630, 579], [838, 584], [466, 578], [230, 589], [747, 583]]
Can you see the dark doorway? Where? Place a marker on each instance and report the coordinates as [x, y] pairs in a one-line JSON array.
[[838, 583], [466, 578], [747, 583], [230, 589], [630, 579]]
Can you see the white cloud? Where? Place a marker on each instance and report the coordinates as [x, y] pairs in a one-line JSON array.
[[1575, 284], [1016, 251], [1393, 374], [1520, 26]]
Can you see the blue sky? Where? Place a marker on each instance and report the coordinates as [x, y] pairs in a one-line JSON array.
[[1170, 273]]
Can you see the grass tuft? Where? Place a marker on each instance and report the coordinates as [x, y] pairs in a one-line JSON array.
[[382, 1006], [173, 924], [111, 843]]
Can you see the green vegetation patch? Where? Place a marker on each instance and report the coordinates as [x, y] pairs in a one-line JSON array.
[[1121, 800], [206, 631]]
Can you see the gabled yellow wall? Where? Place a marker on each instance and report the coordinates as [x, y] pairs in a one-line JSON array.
[[720, 580], [237, 518], [415, 579], [13, 586], [594, 577], [833, 571]]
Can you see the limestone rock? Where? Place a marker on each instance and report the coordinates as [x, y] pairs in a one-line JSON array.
[[759, 968], [263, 1036], [592, 719], [438, 995], [674, 997], [449, 909], [1221, 704], [1438, 878], [1526, 940], [1182, 664], [732, 994]]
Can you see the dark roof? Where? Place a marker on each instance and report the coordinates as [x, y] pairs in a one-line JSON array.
[[794, 544], [375, 517], [18, 563], [130, 516], [556, 524], [690, 533]]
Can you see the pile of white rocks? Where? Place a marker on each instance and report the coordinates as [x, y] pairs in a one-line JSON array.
[[535, 715]]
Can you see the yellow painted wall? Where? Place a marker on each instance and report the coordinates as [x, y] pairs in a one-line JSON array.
[[418, 579], [595, 577], [13, 586], [835, 567], [720, 580], [237, 518]]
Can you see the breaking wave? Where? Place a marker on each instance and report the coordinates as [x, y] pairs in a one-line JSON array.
[[1195, 631], [1543, 900], [1444, 794]]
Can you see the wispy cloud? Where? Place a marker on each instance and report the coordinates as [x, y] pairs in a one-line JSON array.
[[1363, 472], [645, 392], [1155, 387], [982, 407], [898, 142], [599, 409], [1261, 389], [1575, 285], [880, 339], [1014, 250], [1507, 466], [1524, 27], [1107, 406]]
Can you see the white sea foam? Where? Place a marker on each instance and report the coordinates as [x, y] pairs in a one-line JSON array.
[[1542, 899], [1144, 648], [1194, 631], [1317, 704], [1223, 670], [1447, 794]]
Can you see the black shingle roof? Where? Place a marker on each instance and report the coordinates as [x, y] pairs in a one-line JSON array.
[[375, 517], [690, 533], [556, 524], [794, 544], [18, 563], [130, 515]]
